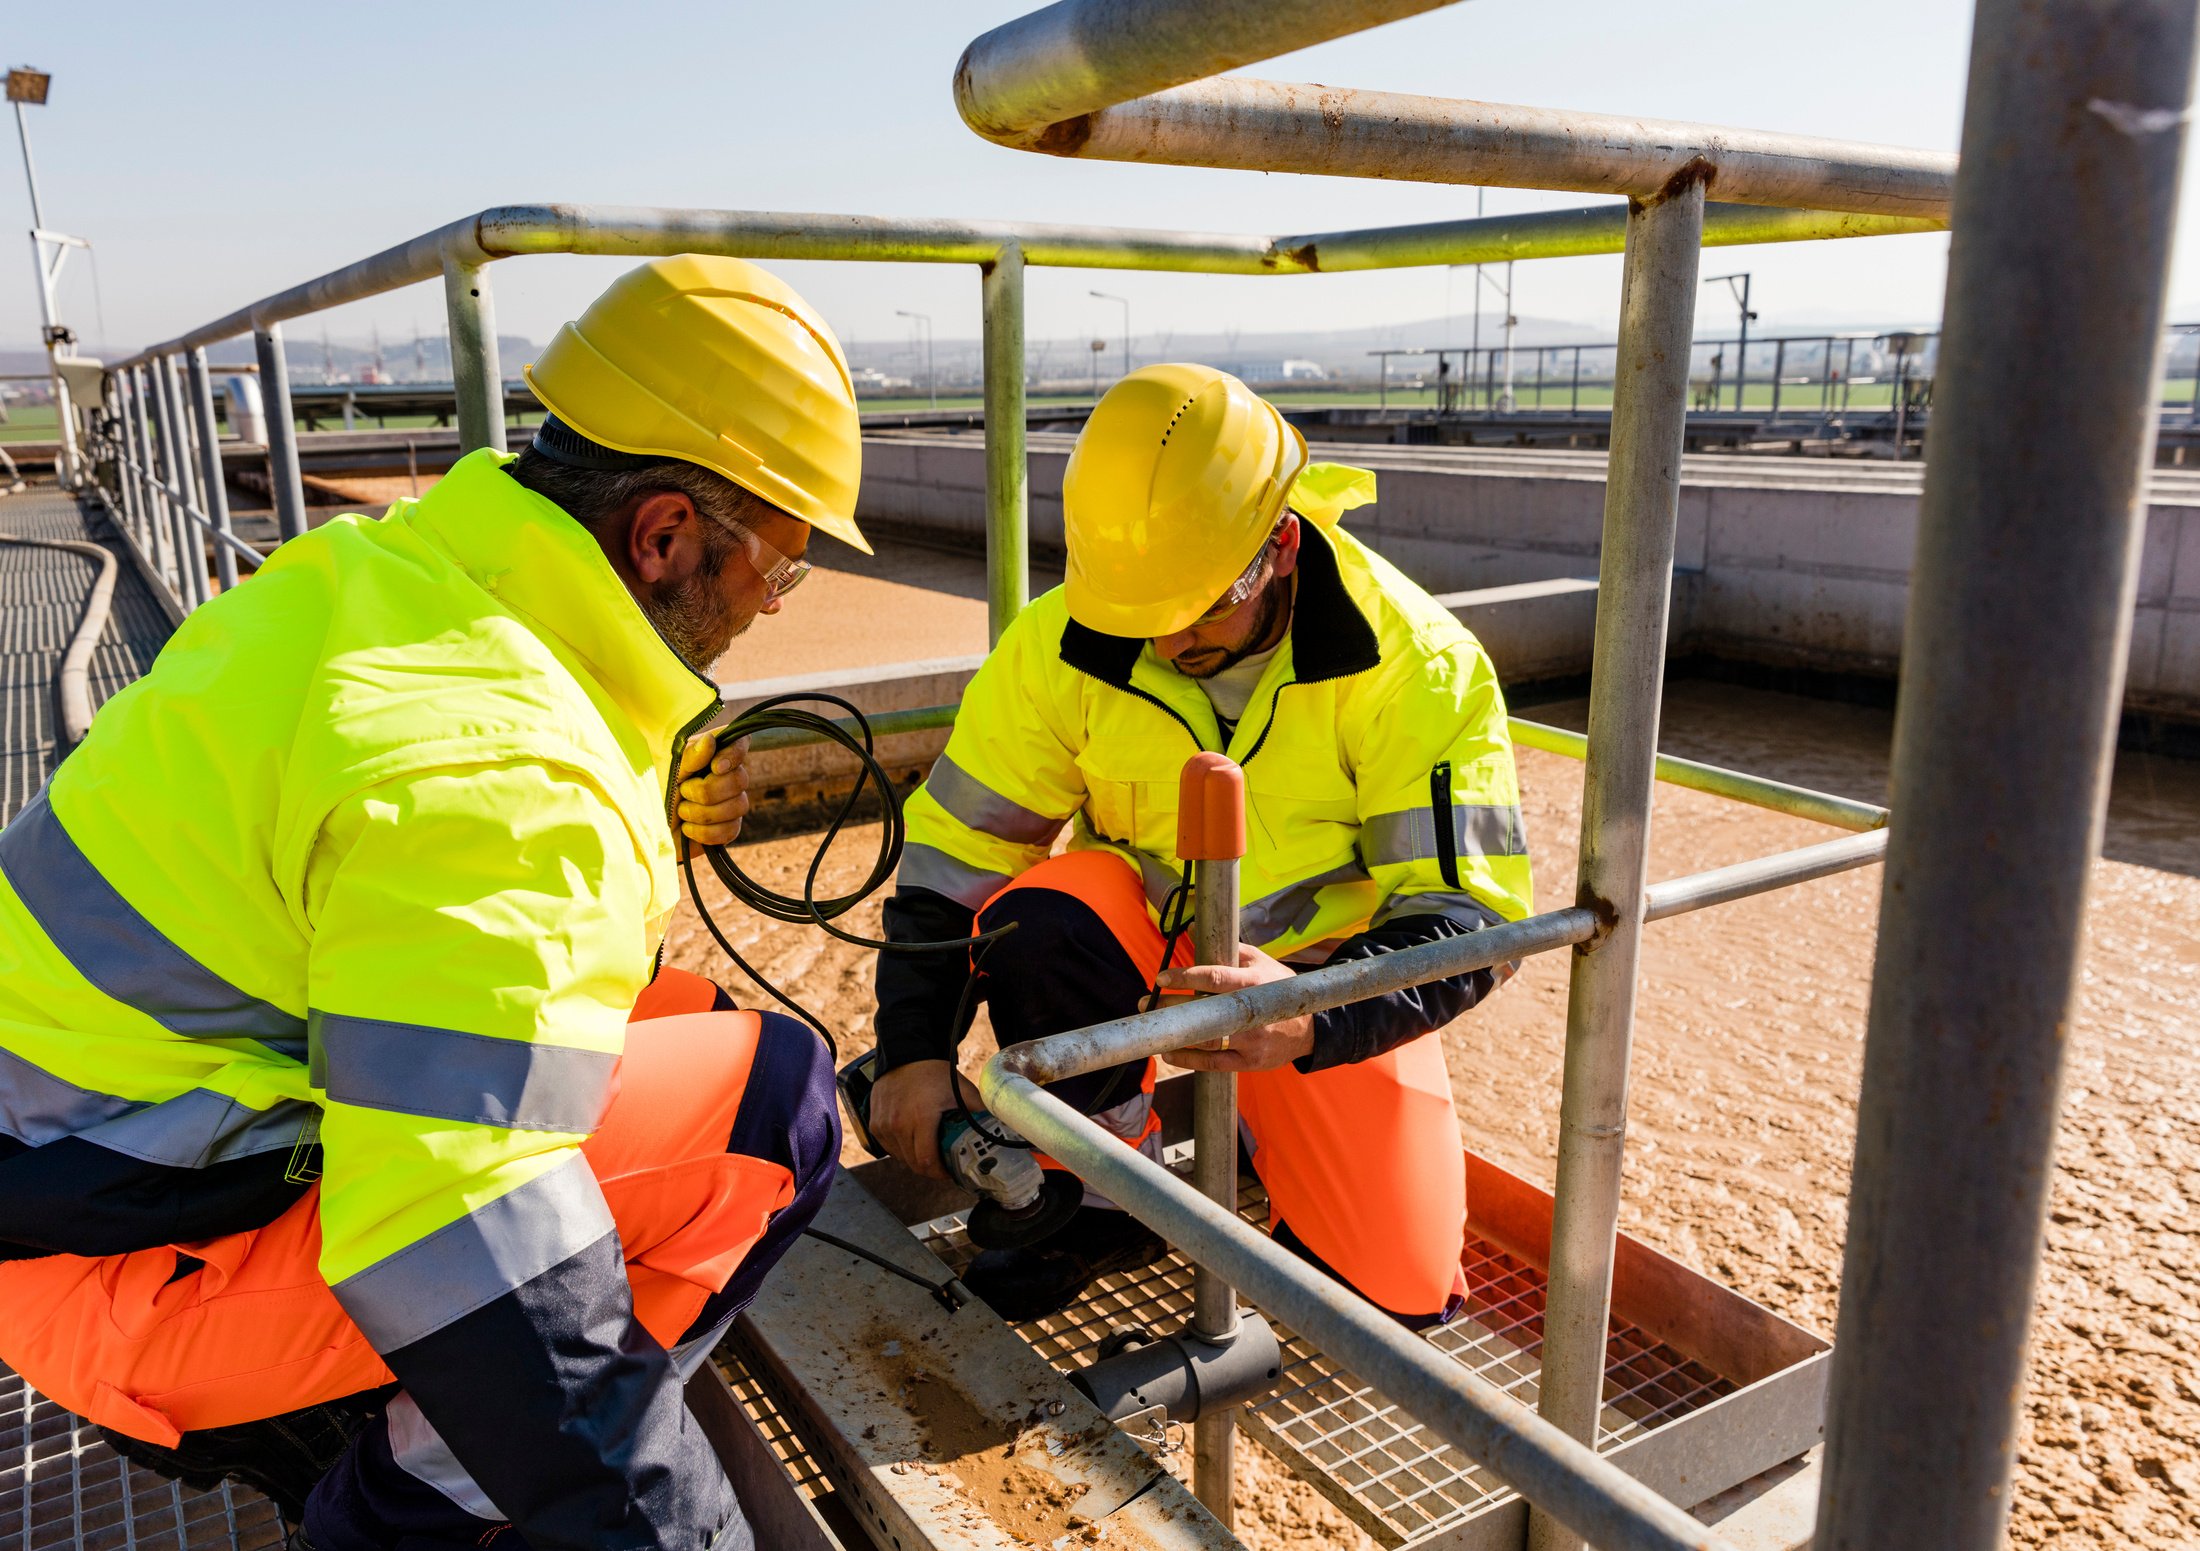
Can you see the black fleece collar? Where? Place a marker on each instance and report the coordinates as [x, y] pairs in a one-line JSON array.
[[1330, 637]]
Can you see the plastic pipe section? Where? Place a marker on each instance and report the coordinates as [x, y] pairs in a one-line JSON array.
[[2073, 139], [1084, 78], [1634, 593], [1210, 837]]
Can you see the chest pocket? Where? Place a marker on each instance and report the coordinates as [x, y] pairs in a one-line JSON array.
[[1131, 786]]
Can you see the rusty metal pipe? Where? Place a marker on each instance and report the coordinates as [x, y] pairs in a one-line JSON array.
[[1279, 126]]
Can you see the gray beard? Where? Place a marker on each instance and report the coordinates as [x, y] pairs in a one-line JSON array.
[[693, 618]]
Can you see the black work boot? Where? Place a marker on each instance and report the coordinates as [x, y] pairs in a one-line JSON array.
[[282, 1457], [1046, 1277]]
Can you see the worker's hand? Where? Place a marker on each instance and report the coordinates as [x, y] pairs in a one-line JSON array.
[[906, 1107], [714, 792], [1258, 1049]]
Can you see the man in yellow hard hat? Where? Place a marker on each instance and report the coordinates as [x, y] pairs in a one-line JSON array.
[[1213, 602], [352, 1141]]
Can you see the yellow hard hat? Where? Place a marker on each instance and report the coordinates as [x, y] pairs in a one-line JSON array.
[[1174, 485], [713, 361]]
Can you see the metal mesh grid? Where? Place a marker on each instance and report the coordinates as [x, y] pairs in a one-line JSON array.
[[61, 1486], [1398, 1481], [786, 1444]]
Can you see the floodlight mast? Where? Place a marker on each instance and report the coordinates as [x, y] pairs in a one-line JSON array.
[[49, 250]]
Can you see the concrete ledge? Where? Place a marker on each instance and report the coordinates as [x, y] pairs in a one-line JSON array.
[[784, 775]]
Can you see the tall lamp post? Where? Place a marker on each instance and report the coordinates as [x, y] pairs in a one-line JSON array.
[[28, 87], [1124, 302], [931, 383], [1741, 349]]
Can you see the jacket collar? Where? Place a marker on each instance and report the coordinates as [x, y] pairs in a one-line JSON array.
[[1330, 637], [543, 564]]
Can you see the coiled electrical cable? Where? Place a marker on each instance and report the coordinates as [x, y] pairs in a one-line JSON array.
[[779, 714]]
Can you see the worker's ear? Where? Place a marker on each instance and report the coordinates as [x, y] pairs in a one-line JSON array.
[[664, 539], [1287, 546]]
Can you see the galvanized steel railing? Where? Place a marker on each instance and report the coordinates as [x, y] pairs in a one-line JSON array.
[[2087, 102]]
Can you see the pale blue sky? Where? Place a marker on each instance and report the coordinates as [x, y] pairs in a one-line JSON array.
[[218, 152]]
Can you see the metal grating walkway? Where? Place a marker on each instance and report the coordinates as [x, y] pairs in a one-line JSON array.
[[59, 1485], [41, 599], [1388, 1473]]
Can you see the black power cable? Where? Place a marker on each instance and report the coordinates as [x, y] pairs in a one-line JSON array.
[[778, 714]]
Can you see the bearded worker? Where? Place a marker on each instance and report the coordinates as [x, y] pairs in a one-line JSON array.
[[334, 1051], [1212, 602]]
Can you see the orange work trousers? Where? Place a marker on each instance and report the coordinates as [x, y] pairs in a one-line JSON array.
[[254, 1331], [1363, 1163]]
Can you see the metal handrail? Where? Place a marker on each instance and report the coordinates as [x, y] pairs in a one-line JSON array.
[[1135, 80]]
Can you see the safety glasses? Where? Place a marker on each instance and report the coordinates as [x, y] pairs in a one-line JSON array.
[[1242, 589], [781, 575]]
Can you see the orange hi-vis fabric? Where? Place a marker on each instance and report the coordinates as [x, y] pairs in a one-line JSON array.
[[1363, 1162], [188, 1336]]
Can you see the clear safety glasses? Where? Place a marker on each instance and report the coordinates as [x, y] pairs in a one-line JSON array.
[[781, 575], [1243, 588]]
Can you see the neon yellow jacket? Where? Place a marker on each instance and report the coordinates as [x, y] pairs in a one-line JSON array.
[[1378, 774], [380, 848]]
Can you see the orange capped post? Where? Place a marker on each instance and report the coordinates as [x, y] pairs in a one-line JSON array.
[[1210, 810]]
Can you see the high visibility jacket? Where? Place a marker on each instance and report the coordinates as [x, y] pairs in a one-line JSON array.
[[378, 851], [1379, 778]]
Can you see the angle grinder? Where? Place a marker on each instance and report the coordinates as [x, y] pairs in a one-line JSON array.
[[1019, 1202]]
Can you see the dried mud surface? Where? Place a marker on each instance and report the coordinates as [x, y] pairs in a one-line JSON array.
[[1743, 1111]]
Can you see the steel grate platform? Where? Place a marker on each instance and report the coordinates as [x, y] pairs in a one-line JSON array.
[[1383, 1469], [41, 599], [60, 1486]]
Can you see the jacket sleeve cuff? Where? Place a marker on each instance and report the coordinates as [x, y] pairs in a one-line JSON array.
[[1360, 1031], [918, 993]]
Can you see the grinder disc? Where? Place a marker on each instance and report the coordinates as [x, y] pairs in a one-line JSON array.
[[994, 1226]]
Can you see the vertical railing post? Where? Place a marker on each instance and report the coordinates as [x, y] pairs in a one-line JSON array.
[[284, 480], [190, 537], [2033, 512], [1007, 469], [477, 377], [213, 486], [1634, 592], [130, 496], [156, 499], [1211, 839], [1779, 369], [176, 482]]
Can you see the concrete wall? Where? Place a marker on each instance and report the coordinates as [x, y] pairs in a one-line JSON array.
[[1792, 564]]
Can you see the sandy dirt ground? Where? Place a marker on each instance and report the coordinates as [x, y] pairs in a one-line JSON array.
[[1743, 1110]]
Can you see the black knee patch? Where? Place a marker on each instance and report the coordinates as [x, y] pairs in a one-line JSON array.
[[1061, 969]]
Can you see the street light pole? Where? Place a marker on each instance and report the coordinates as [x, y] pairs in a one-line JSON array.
[[1741, 349], [28, 86], [931, 383], [1124, 301]]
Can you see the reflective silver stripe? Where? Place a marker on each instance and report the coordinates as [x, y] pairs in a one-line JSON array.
[[982, 808], [118, 950], [1469, 912], [185, 1132], [927, 867], [1291, 909], [1157, 877], [494, 1250], [422, 1454], [1478, 829], [446, 1074]]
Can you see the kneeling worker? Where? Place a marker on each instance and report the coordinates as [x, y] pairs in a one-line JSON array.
[[331, 1056], [1212, 602]]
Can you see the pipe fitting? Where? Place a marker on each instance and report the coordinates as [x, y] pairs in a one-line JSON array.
[[1184, 1375]]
